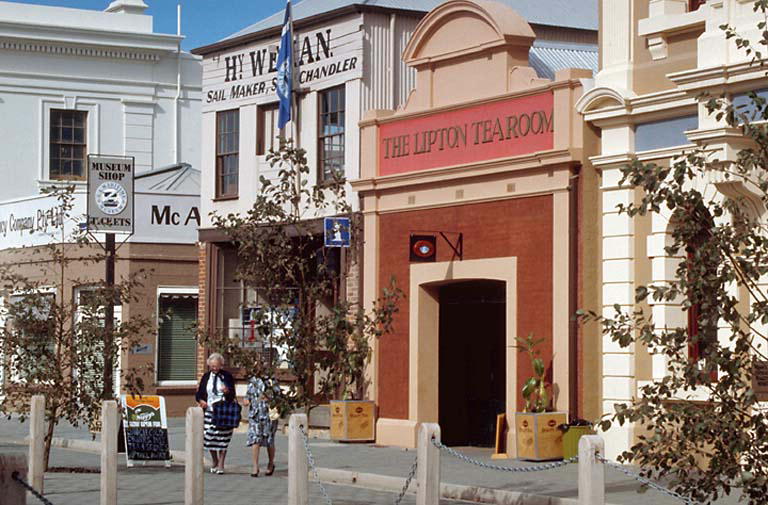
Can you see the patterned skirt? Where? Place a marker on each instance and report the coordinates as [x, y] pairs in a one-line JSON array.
[[215, 439]]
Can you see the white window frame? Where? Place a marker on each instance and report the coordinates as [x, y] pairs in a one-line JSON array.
[[170, 290], [43, 290], [117, 315], [92, 135]]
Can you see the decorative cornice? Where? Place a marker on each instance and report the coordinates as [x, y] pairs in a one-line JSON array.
[[71, 50]]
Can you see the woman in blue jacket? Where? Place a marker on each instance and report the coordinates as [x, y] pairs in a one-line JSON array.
[[216, 385]]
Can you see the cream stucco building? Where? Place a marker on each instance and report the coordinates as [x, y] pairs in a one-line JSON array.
[[656, 56]]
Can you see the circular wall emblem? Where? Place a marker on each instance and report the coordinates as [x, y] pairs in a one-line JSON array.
[[111, 198], [423, 249]]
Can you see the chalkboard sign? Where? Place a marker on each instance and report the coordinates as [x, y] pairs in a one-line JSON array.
[[760, 379], [145, 429]]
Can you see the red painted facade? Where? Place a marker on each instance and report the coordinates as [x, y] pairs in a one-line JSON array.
[[520, 227], [481, 132]]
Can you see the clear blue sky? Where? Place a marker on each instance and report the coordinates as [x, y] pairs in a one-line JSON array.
[[202, 21]]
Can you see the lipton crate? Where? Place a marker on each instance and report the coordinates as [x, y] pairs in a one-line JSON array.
[[353, 421], [538, 438]]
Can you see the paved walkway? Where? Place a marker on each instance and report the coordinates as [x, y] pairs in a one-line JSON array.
[[155, 485]]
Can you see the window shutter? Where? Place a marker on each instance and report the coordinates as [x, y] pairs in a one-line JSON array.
[[176, 347]]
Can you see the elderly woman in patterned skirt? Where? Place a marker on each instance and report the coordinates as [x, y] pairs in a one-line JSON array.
[[262, 420], [216, 385]]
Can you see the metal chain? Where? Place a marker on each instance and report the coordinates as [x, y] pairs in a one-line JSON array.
[[15, 476], [311, 461], [408, 480], [643, 480], [482, 464]]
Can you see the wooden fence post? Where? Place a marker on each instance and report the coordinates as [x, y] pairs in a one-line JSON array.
[[108, 494], [591, 471], [428, 470], [37, 443], [11, 492], [298, 467], [193, 465]]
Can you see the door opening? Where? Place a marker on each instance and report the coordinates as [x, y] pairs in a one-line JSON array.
[[472, 366]]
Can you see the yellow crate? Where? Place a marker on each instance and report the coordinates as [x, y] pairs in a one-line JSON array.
[[353, 421], [538, 438]]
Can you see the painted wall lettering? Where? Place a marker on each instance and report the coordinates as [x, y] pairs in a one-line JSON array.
[[480, 132]]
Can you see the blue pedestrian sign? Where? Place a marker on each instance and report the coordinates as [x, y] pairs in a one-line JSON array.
[[337, 232]]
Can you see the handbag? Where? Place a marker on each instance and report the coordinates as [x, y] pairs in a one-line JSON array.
[[227, 414]]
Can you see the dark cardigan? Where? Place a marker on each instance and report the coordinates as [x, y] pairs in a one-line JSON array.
[[225, 377]]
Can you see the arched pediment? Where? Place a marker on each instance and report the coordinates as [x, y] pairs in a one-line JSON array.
[[601, 97], [487, 24]]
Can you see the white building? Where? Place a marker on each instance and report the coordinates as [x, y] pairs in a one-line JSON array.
[[75, 82]]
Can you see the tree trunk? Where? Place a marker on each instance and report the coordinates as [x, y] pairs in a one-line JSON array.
[[49, 438]]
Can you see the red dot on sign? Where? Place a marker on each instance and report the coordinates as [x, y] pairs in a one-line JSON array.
[[422, 248]]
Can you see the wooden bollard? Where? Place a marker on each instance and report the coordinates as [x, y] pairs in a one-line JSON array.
[[298, 467], [11, 492], [428, 470], [193, 464], [108, 495], [36, 443], [591, 471]]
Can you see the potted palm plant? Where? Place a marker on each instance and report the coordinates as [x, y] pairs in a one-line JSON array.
[[538, 436]]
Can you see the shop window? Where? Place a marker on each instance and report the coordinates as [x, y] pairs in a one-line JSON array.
[[32, 329], [267, 133], [68, 144], [331, 134], [88, 306], [227, 152], [695, 4], [176, 340]]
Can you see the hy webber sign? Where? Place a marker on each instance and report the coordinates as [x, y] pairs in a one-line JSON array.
[[481, 132], [110, 194]]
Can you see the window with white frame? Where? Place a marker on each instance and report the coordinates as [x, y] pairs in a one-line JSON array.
[[176, 337], [84, 298]]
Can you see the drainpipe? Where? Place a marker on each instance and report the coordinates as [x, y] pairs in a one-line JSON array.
[[573, 293], [176, 153], [393, 61]]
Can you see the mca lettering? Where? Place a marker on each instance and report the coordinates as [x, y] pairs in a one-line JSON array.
[[167, 217]]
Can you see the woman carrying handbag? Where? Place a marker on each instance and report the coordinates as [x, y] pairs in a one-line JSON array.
[[216, 386]]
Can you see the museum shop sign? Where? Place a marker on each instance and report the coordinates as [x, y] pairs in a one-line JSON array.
[[324, 56], [480, 132]]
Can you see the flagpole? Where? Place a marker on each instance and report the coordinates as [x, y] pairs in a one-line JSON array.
[[294, 113]]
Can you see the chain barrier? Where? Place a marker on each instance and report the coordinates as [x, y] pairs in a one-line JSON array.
[[533, 468], [408, 480], [312, 466], [643, 480], [15, 476]]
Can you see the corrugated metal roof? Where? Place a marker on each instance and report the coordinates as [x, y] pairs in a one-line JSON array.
[[581, 14], [179, 178], [548, 57]]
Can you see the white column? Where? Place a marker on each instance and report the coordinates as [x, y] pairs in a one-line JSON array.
[[428, 470], [37, 443], [591, 471], [108, 453], [193, 465], [298, 467]]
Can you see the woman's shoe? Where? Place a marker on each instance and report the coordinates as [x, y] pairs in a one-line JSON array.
[[255, 474], [220, 471], [270, 469], [213, 469]]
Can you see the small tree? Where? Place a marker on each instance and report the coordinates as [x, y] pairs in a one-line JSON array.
[[296, 285], [705, 428], [50, 344]]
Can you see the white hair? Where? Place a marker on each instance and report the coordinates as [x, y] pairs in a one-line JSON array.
[[215, 357]]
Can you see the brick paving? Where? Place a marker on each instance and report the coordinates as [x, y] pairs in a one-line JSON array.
[[156, 485]]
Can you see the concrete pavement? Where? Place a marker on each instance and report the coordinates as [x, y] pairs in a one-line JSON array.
[[364, 468]]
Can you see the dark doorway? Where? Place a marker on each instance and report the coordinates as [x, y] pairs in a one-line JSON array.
[[472, 361]]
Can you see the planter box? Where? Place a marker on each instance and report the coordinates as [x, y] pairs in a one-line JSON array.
[[353, 421], [571, 439], [538, 438]]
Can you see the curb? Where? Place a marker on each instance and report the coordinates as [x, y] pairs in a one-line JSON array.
[[371, 481], [448, 491]]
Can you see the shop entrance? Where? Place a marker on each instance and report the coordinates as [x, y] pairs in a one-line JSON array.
[[472, 354]]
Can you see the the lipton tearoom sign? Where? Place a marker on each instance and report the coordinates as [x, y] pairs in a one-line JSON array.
[[110, 194], [486, 131]]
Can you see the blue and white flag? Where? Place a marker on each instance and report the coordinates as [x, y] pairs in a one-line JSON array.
[[285, 70]]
